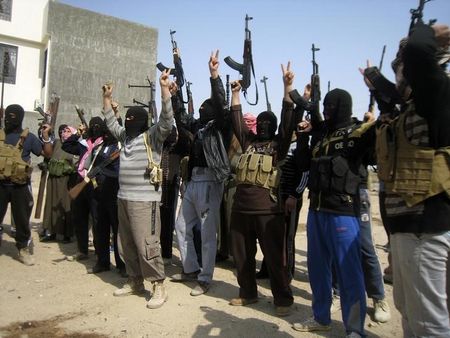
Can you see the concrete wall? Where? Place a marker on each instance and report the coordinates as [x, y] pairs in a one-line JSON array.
[[87, 49]]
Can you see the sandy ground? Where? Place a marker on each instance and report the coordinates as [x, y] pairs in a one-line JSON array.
[[57, 298]]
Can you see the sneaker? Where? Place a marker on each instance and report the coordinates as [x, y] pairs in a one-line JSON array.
[[185, 277], [283, 311], [132, 286], [335, 304], [243, 301], [310, 325], [97, 268], [201, 288], [382, 312], [25, 257], [159, 296]]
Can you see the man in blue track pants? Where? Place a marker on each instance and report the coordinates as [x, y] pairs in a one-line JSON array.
[[332, 226]]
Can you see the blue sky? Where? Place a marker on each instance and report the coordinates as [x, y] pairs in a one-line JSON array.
[[348, 32]]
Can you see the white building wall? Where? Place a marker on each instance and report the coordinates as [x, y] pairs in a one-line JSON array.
[[25, 30]]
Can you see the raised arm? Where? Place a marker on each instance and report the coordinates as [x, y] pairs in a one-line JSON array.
[[113, 125], [287, 123], [239, 127], [165, 122]]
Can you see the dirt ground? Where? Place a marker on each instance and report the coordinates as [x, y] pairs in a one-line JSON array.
[[57, 298]]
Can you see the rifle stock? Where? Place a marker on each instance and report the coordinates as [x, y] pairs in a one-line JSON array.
[[77, 189], [54, 105], [80, 113]]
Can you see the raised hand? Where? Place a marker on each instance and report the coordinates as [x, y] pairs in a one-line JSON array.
[[235, 86], [366, 80], [164, 79], [288, 75], [107, 89], [214, 64]]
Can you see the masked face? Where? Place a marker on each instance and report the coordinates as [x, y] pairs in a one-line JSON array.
[[13, 118], [97, 128], [337, 109], [266, 126], [136, 121], [206, 112]]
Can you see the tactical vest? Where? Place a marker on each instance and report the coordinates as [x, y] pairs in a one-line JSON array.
[[413, 172], [257, 169], [60, 168], [331, 172], [12, 167]]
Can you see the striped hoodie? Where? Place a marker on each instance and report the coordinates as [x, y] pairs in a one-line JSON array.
[[133, 186]]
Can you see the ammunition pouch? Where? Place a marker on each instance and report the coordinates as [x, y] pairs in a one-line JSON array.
[[415, 173], [257, 169], [333, 175], [12, 167], [60, 168]]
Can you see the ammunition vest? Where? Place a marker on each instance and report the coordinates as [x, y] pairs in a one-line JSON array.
[[12, 167], [413, 172], [257, 169], [60, 168]]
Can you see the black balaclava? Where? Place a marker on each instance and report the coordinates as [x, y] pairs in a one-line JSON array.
[[61, 129], [97, 128], [136, 121], [206, 112], [14, 114], [337, 109], [266, 126]]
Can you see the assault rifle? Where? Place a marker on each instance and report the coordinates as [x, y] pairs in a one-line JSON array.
[[417, 15], [245, 69], [177, 71], [5, 72], [264, 80], [51, 118], [151, 103], [80, 112], [311, 106], [372, 97], [77, 189]]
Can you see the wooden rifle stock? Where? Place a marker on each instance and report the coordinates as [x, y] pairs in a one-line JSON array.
[[77, 189], [54, 105]]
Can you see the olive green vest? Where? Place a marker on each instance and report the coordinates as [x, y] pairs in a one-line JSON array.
[[12, 167], [413, 172]]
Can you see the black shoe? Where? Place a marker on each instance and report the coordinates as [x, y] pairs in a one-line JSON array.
[[97, 268], [262, 274], [48, 238], [220, 257], [66, 240]]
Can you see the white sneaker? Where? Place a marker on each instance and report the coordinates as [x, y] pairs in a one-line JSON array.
[[132, 286], [25, 257], [382, 312], [310, 325], [159, 296]]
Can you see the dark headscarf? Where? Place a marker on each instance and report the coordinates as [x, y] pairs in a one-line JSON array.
[[337, 109], [136, 121], [266, 131], [14, 114]]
